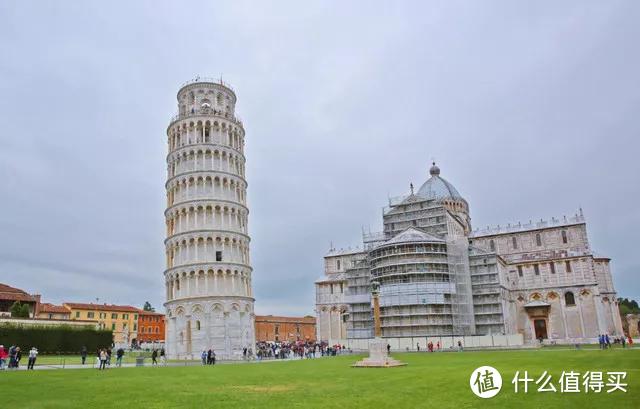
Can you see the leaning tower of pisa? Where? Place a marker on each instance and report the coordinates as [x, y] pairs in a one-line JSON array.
[[208, 276]]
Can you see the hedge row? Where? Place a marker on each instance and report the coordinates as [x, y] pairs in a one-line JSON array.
[[64, 339]]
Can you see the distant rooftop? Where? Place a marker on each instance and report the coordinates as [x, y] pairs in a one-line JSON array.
[[520, 227], [101, 307], [343, 252], [15, 294]]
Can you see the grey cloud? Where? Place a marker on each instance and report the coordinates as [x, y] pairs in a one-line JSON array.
[[529, 108]]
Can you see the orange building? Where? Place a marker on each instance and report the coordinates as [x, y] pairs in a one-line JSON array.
[[273, 328], [53, 312], [150, 327]]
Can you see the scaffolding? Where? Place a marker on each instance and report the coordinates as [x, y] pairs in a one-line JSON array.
[[489, 294], [358, 298], [462, 299]]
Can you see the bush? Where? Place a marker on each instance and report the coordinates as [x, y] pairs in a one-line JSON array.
[[64, 339], [19, 310]]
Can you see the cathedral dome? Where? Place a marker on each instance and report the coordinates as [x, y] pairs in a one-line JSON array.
[[437, 187]]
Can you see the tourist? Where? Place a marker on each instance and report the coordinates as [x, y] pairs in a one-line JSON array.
[[459, 346], [418, 346], [244, 353], [163, 357], [108, 357], [103, 359], [388, 348], [3, 357], [119, 355], [18, 357], [203, 357], [12, 356], [601, 341], [33, 354], [607, 341], [154, 357], [438, 346], [623, 341], [83, 354], [213, 356]]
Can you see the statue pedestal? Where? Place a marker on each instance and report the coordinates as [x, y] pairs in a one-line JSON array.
[[378, 357]]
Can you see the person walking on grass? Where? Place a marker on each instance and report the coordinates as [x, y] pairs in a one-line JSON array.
[[18, 357], [154, 357], [203, 357], [33, 354], [119, 355], [163, 357], [83, 354], [3, 357], [103, 360]]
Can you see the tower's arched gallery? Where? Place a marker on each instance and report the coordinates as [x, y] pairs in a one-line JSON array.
[[208, 276]]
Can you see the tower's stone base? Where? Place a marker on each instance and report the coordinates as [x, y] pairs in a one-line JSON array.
[[378, 356]]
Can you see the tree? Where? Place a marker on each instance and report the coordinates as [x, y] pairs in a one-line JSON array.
[[148, 307], [19, 310], [627, 306]]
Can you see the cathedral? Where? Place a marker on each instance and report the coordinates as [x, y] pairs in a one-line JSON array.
[[438, 277]]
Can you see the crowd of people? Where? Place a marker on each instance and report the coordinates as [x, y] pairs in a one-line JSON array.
[[11, 357], [431, 347], [209, 357], [14, 355], [293, 350], [605, 341]]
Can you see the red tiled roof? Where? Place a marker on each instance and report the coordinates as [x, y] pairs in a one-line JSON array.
[[100, 307], [10, 293], [50, 308]]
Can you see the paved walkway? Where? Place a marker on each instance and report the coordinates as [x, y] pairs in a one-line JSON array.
[[23, 366]]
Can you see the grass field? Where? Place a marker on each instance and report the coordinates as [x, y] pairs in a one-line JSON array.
[[439, 380]]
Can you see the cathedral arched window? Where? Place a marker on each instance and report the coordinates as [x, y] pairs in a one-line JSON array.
[[538, 240], [492, 245], [564, 237], [514, 242], [569, 298]]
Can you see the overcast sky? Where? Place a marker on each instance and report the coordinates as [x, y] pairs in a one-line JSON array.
[[531, 110]]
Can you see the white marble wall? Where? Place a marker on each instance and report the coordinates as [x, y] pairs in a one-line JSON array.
[[208, 276]]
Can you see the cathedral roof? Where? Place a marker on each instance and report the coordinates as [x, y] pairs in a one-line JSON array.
[[412, 235], [437, 187]]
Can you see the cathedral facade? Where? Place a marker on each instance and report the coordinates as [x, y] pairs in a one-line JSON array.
[[439, 277]]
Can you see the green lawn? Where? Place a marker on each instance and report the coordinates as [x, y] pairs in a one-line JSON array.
[[439, 380]]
